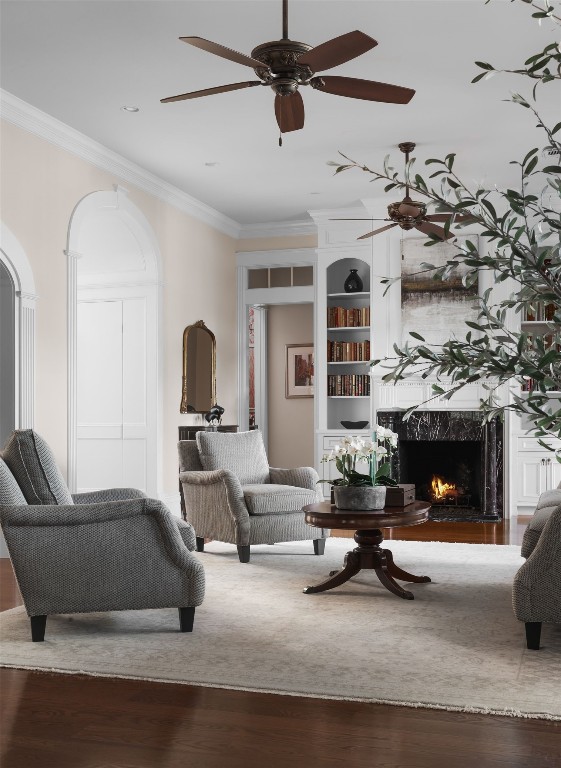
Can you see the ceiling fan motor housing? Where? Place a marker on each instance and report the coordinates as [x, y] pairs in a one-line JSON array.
[[281, 69], [407, 220]]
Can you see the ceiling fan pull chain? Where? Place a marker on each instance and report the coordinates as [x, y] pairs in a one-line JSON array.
[[280, 139]]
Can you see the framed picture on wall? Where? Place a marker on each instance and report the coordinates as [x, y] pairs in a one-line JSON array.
[[436, 309], [299, 370]]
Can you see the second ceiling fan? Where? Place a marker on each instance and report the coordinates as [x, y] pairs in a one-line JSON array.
[[412, 214], [286, 65]]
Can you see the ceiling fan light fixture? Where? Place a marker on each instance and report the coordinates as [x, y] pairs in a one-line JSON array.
[[127, 108]]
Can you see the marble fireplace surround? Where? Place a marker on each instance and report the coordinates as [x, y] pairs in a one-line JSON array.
[[455, 427]]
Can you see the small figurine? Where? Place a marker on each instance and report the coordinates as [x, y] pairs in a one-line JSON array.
[[214, 416]]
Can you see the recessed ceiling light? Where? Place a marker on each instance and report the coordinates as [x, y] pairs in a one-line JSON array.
[[130, 109], [211, 165], [315, 193]]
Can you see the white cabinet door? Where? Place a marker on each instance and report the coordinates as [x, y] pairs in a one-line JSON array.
[[113, 414], [531, 478], [537, 472], [554, 472]]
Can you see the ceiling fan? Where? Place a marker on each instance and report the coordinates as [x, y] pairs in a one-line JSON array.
[[285, 65], [411, 214]]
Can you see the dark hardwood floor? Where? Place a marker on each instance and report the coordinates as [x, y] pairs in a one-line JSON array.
[[68, 721]]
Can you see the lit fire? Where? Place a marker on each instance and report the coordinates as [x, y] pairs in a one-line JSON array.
[[442, 490]]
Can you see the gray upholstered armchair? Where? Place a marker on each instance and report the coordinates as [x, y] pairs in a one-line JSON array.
[[102, 551], [232, 495], [536, 593]]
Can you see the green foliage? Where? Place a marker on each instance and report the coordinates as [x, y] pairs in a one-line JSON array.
[[519, 243]]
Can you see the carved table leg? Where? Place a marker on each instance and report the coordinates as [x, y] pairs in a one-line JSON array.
[[392, 585], [368, 555], [399, 573], [351, 568]]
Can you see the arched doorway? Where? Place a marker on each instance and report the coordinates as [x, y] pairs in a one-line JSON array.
[[114, 287], [17, 336]]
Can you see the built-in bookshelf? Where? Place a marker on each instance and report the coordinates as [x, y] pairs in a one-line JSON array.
[[348, 345], [539, 326]]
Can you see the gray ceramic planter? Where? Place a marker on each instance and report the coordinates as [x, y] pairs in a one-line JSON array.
[[362, 498]]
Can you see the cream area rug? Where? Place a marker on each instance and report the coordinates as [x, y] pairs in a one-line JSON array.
[[456, 646]]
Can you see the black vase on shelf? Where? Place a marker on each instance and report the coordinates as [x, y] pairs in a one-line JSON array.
[[353, 283]]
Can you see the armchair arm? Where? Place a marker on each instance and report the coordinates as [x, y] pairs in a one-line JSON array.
[[107, 494], [215, 505], [223, 485], [187, 533], [302, 477], [536, 594]]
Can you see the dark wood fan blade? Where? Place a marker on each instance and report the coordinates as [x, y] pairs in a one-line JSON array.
[[376, 231], [289, 111], [337, 51], [210, 91], [427, 228], [221, 50], [363, 89], [446, 216]]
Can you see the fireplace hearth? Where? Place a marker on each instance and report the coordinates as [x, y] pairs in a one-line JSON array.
[[454, 460]]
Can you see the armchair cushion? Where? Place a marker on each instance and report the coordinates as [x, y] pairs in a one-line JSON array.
[[10, 492], [272, 499], [243, 453], [34, 468]]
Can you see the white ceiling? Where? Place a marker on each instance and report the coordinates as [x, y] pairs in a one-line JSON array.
[[81, 61]]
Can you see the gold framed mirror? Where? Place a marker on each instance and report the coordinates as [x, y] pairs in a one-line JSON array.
[[198, 384]]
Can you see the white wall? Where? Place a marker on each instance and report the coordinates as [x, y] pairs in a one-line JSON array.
[[291, 421]]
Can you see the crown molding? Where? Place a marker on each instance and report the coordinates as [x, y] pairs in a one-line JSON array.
[[277, 229], [54, 131]]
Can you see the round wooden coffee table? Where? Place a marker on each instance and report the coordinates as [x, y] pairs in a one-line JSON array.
[[368, 536]]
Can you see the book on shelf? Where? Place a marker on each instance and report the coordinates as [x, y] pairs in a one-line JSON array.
[[348, 385], [343, 317], [538, 311], [347, 351]]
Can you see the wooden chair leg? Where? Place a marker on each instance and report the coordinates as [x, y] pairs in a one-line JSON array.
[[186, 619], [533, 632], [243, 553], [200, 543], [319, 546], [38, 624]]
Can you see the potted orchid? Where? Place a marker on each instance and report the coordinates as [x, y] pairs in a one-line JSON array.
[[363, 490]]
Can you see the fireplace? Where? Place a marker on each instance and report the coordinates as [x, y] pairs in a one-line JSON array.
[[454, 460]]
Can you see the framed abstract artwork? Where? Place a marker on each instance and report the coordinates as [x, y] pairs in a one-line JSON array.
[[437, 309], [299, 370]]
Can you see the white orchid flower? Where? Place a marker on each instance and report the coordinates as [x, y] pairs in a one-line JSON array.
[[393, 440], [381, 451]]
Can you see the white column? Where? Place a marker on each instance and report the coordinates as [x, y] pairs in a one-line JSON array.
[[261, 385], [25, 386], [72, 309]]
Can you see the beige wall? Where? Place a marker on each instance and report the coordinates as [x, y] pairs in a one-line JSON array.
[[41, 185], [291, 421]]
